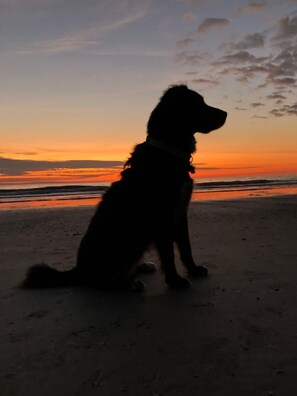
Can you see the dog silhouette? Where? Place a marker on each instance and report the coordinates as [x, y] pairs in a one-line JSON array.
[[148, 205]]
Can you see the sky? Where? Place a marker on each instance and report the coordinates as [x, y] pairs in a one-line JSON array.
[[79, 79]]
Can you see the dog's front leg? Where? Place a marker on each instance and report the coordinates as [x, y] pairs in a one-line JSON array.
[[164, 246], [184, 246]]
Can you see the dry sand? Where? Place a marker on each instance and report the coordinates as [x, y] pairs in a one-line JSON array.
[[234, 333]]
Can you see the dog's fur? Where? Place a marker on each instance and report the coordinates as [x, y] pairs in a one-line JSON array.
[[147, 205]]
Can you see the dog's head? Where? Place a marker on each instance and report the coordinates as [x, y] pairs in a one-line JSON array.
[[184, 111]]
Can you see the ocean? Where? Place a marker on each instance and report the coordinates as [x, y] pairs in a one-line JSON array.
[[40, 196]]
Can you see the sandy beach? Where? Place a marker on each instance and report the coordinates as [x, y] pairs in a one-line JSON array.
[[233, 333]]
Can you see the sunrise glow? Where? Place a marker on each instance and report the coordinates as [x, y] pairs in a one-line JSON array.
[[79, 81]]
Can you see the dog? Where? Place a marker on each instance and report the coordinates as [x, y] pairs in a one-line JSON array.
[[148, 205]]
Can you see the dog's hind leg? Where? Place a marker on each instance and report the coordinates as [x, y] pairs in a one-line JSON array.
[[184, 246], [166, 252]]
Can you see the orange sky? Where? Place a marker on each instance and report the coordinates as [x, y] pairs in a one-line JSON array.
[[79, 82]]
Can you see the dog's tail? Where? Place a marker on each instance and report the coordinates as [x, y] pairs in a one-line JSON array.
[[42, 275]]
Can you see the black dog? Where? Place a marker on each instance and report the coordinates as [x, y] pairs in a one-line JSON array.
[[147, 205]]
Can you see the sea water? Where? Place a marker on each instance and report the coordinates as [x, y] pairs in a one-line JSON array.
[[43, 196]]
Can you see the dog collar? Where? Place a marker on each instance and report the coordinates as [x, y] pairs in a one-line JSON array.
[[165, 147], [171, 150]]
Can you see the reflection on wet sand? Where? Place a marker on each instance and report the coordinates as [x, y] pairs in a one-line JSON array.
[[196, 196]]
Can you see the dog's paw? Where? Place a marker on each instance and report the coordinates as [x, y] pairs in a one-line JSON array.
[[146, 267], [178, 283], [137, 286], [198, 272]]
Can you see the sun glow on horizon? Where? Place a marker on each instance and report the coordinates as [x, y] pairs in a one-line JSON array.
[[80, 80]]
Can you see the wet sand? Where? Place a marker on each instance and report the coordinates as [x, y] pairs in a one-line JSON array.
[[233, 333]]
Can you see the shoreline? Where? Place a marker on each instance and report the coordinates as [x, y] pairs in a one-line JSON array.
[[197, 196], [233, 332], [86, 194]]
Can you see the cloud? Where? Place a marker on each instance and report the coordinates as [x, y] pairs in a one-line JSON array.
[[132, 51], [291, 110], [260, 117], [15, 167], [285, 81], [212, 23], [190, 57], [189, 17], [252, 6], [257, 104], [260, 60], [285, 110], [276, 96], [204, 81], [90, 36], [204, 168], [282, 68], [255, 40], [276, 113], [240, 108], [61, 45], [287, 28], [184, 43], [277, 69], [237, 57], [26, 153], [243, 73]]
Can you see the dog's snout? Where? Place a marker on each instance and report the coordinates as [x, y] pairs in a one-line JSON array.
[[221, 118], [215, 119], [224, 114]]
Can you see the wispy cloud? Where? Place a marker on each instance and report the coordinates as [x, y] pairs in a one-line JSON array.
[[212, 23], [252, 6], [256, 104], [287, 28], [204, 81], [63, 44], [268, 58], [29, 153], [276, 96], [237, 57], [87, 37], [285, 110], [265, 59], [184, 43], [189, 17], [191, 57], [255, 40], [290, 109], [133, 51], [14, 167]]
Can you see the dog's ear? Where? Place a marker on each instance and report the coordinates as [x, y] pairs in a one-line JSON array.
[[171, 113]]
